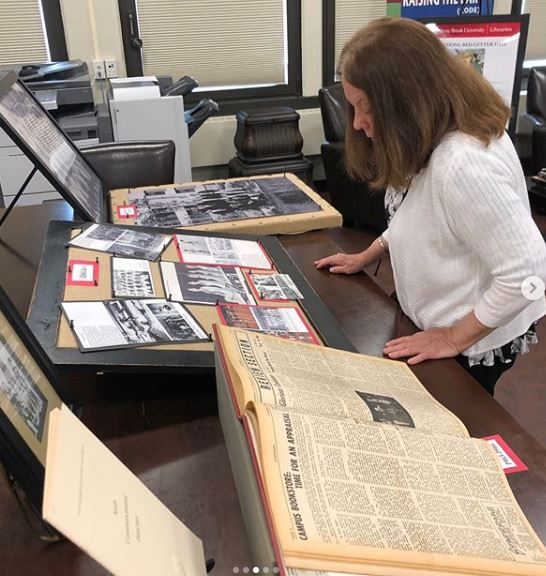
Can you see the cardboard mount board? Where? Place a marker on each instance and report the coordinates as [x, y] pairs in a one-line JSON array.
[[205, 315], [326, 217], [45, 315]]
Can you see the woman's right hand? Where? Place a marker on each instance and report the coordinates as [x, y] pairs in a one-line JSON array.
[[342, 263]]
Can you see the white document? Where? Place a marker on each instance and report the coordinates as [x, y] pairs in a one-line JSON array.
[[222, 251], [99, 504]]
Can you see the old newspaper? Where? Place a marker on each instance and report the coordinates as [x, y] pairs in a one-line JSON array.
[[365, 473], [322, 380]]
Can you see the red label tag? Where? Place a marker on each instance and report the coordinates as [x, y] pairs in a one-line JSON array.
[[127, 211], [510, 462], [82, 273]]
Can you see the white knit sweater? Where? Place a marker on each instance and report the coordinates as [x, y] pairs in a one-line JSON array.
[[463, 239]]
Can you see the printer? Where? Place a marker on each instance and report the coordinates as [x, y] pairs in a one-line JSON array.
[[64, 89]]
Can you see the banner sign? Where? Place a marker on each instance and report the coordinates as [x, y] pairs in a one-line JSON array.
[[491, 48], [416, 9]]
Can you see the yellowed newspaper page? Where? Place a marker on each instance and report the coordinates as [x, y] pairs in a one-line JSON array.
[[381, 500], [320, 380], [99, 504]]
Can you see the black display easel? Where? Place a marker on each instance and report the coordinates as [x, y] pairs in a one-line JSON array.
[[18, 195]]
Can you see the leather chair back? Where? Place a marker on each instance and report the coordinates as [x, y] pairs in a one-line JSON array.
[[536, 92], [356, 202], [333, 108], [132, 164]]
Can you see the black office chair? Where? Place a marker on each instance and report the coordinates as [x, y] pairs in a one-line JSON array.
[[536, 116], [132, 164], [356, 201]]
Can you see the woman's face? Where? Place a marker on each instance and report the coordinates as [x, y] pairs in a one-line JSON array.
[[363, 117]]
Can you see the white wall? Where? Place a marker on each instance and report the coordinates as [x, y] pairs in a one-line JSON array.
[[93, 31]]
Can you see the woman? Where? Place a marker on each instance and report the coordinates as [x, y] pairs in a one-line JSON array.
[[461, 238]]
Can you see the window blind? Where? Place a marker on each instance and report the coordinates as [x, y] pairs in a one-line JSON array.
[[22, 35], [218, 42], [536, 44], [352, 15]]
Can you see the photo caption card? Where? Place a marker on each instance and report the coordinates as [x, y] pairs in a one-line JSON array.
[[82, 273], [509, 460], [128, 211]]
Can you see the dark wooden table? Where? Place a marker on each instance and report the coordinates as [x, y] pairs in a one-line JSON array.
[[167, 432]]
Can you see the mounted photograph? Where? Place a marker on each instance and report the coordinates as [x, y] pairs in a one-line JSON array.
[[221, 251], [208, 202], [121, 241], [205, 284], [127, 323], [132, 278]]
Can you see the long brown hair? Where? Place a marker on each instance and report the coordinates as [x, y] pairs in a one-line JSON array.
[[418, 91]]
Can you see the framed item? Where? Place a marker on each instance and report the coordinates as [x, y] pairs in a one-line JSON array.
[[34, 130], [493, 45], [54, 333], [27, 396]]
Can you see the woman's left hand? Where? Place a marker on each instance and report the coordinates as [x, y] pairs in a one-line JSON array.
[[426, 345]]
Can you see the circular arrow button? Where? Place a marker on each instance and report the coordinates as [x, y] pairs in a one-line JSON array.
[[532, 287]]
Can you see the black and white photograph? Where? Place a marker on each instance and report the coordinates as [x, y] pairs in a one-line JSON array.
[[132, 278], [387, 410], [50, 146], [128, 323], [222, 252], [121, 241], [204, 203], [20, 389], [279, 321], [275, 287], [205, 284]]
